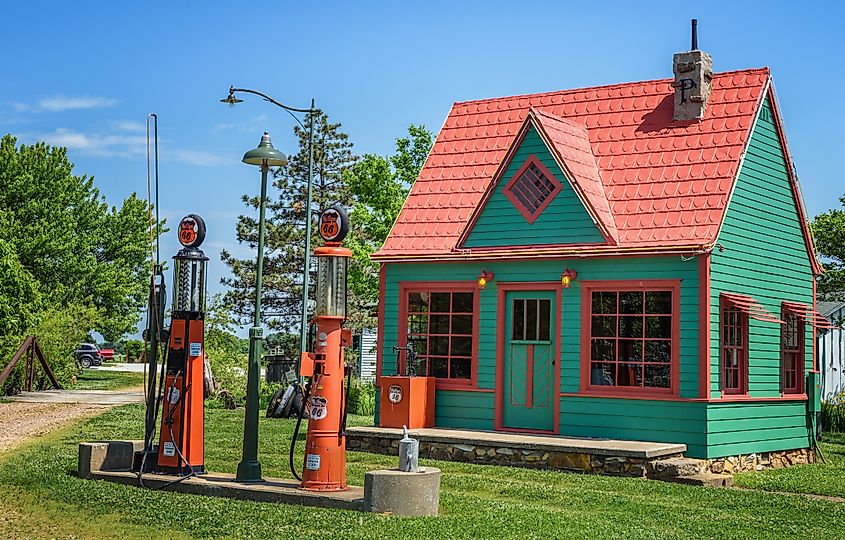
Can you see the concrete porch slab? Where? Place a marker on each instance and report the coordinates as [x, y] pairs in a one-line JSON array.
[[547, 443]]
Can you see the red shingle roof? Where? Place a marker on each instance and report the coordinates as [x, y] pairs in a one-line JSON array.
[[650, 181]]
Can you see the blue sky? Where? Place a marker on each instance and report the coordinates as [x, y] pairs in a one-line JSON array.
[[86, 74]]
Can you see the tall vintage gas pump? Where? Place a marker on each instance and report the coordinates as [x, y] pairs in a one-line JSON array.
[[181, 436], [325, 444]]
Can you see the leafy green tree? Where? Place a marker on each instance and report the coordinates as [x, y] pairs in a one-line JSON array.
[[78, 250], [829, 234], [285, 232], [379, 185]]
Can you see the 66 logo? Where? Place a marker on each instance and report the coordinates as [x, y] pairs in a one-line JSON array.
[[334, 224]]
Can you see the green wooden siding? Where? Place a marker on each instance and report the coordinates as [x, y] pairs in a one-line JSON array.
[[765, 257], [564, 221], [681, 422], [742, 428], [474, 410]]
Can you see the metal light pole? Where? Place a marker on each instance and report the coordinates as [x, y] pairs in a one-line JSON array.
[[306, 267], [249, 469]]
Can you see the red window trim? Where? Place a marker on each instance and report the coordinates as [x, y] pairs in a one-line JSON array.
[[724, 304], [402, 327], [786, 311], [529, 216], [587, 288]]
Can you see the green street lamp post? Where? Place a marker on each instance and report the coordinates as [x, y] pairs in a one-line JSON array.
[[306, 266], [249, 469]]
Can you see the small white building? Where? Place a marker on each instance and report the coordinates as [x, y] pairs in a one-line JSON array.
[[366, 343], [831, 350]]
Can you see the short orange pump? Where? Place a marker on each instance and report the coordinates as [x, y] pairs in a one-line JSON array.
[[326, 408]]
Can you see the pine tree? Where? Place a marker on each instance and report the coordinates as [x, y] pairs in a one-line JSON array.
[[285, 227]]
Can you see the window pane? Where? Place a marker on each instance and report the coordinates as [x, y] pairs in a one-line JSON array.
[[440, 302], [418, 324], [518, 319], [631, 327], [658, 302], [545, 320], [602, 374], [631, 302], [604, 302], [417, 302], [418, 344], [462, 324], [461, 368], [731, 358], [438, 345], [531, 319], [657, 376], [604, 327], [461, 346], [629, 375], [630, 350], [462, 302], [658, 351], [438, 367], [439, 324], [658, 327], [603, 349]]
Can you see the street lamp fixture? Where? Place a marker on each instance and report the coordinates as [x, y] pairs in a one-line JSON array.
[[249, 469], [232, 99]]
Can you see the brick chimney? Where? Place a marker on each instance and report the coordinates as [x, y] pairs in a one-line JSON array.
[[693, 74]]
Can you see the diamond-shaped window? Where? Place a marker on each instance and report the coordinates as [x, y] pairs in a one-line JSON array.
[[532, 188]]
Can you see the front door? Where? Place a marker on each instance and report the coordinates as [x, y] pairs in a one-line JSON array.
[[529, 361]]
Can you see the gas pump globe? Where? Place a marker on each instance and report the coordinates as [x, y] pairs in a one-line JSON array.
[[325, 444]]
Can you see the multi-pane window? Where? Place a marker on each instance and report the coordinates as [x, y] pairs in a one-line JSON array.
[[532, 188], [440, 331], [734, 348], [792, 352], [531, 319], [631, 338]]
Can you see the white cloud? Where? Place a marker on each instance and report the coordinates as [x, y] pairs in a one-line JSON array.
[[257, 123], [97, 144], [64, 103], [60, 103], [130, 126], [198, 158]]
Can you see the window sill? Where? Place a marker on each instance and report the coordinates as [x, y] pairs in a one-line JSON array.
[[622, 392], [746, 397], [445, 384]]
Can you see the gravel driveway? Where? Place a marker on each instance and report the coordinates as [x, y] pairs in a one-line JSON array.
[[21, 420]]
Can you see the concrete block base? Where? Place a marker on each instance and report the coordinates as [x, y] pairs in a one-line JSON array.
[[403, 493]]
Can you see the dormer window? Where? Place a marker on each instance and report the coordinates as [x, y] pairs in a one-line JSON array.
[[532, 188]]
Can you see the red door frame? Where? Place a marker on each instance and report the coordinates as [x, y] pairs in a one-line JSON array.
[[501, 304]]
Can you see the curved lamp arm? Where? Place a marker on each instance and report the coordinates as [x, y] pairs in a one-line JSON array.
[[231, 100]]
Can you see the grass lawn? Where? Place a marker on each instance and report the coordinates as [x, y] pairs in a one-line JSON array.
[[94, 379], [820, 479], [39, 489]]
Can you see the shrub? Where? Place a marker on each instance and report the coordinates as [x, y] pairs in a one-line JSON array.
[[833, 414], [362, 397], [134, 349]]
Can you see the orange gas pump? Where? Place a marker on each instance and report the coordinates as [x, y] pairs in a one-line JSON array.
[[182, 433], [325, 444]]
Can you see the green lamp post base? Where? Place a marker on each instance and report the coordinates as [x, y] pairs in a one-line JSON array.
[[249, 471]]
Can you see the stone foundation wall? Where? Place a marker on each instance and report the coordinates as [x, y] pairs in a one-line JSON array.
[[663, 468], [512, 457], [760, 461]]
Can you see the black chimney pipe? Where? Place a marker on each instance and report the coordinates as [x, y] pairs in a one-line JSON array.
[[694, 34]]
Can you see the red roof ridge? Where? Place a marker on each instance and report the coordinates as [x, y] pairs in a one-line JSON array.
[[584, 174], [764, 69]]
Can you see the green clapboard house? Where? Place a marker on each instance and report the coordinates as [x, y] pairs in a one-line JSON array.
[[628, 261]]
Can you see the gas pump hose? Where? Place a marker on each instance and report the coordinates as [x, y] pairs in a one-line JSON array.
[[305, 397]]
